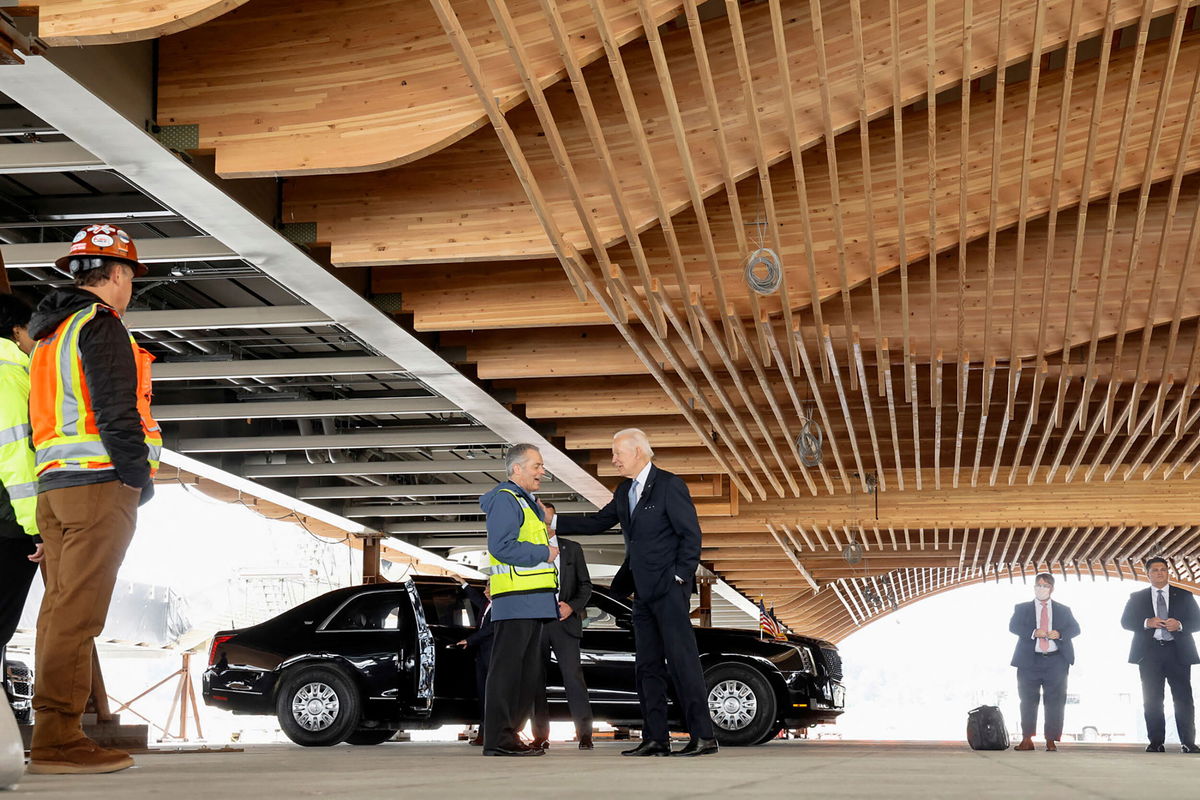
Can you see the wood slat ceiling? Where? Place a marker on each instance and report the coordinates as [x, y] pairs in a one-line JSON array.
[[988, 297]]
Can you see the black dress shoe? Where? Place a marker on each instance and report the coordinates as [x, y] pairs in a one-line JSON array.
[[699, 747], [1189, 748], [541, 744], [649, 748], [585, 743], [506, 751], [1155, 748]]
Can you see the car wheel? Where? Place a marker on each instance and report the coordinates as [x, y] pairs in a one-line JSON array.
[[370, 736], [741, 704], [771, 733], [317, 707]]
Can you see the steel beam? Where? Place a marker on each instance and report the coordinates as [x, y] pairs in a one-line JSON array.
[[274, 368], [302, 469], [28, 158], [418, 528], [420, 490], [252, 489], [396, 510], [213, 318], [424, 436], [292, 409], [55, 96], [479, 539], [150, 251]]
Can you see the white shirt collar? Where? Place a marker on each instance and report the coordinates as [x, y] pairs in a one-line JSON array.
[[643, 475]]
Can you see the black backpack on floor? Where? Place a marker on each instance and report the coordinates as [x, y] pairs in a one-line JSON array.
[[986, 729]]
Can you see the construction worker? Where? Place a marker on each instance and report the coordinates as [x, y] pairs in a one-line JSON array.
[[20, 544], [97, 450]]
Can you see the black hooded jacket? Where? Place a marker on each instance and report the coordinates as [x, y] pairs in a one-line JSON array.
[[111, 374]]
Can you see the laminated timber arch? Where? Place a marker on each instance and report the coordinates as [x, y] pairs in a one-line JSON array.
[[1009, 341], [75, 23], [284, 88], [466, 204]]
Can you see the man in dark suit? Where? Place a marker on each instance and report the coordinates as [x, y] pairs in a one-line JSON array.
[[1163, 619], [662, 551], [563, 636], [1043, 656], [481, 642]]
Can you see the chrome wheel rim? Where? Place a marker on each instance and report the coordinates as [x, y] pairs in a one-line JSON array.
[[315, 706], [732, 705]]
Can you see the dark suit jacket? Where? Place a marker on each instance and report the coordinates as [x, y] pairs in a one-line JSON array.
[[1025, 621], [662, 537], [574, 584], [482, 637], [1181, 605]]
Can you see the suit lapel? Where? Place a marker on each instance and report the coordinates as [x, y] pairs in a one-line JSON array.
[[650, 476]]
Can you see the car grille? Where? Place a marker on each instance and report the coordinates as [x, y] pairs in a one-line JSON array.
[[833, 662]]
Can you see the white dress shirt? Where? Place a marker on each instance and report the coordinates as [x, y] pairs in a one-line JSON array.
[[1037, 617], [1166, 593], [641, 483]]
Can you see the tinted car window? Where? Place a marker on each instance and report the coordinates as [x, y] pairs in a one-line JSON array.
[[447, 605], [369, 612]]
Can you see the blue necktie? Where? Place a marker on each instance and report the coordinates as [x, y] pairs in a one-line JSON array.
[[632, 496]]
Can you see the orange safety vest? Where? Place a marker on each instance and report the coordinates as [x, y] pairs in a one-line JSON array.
[[65, 434]]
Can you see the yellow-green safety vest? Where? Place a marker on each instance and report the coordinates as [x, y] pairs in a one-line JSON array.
[[509, 579], [17, 472]]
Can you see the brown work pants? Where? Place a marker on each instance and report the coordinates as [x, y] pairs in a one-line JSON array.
[[86, 530]]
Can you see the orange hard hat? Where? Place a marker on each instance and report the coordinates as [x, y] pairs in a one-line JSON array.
[[100, 241]]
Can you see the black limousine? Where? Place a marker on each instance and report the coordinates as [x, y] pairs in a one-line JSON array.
[[357, 664]]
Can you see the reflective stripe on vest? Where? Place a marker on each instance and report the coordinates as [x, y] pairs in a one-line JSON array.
[[65, 433], [510, 579]]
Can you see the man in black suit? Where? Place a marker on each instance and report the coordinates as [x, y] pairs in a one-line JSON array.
[[481, 642], [662, 551], [563, 636], [1163, 619], [1043, 656]]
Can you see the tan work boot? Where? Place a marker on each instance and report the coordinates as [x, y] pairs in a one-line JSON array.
[[82, 757], [1026, 744]]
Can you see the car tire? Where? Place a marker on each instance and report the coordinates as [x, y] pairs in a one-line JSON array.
[[317, 706], [770, 734], [741, 705], [369, 736]]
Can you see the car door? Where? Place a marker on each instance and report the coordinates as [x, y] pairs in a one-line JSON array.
[[374, 633], [607, 655]]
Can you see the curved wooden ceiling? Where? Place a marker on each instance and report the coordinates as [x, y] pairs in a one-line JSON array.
[[563, 193], [75, 23]]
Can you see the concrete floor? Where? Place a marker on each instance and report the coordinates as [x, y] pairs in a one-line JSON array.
[[779, 769]]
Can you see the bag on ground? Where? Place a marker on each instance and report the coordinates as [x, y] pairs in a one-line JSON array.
[[986, 729]]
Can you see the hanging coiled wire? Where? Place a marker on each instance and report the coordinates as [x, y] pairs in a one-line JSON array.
[[767, 260]]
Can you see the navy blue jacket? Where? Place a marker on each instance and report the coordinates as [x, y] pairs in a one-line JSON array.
[[1024, 622], [504, 519], [662, 537]]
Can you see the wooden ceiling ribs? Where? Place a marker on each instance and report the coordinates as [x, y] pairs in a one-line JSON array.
[[585, 254]]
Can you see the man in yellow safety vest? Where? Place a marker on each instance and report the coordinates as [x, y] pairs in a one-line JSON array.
[[97, 448], [523, 580]]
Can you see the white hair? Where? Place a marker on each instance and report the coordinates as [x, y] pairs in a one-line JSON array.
[[639, 439], [517, 454]]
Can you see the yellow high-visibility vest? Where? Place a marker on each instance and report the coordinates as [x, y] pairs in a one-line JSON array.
[[16, 451], [509, 579]]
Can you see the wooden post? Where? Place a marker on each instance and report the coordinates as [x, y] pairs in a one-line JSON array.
[[372, 558], [99, 699], [5, 286], [704, 583]]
